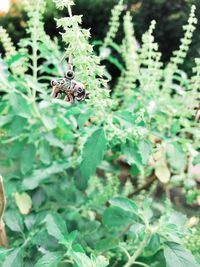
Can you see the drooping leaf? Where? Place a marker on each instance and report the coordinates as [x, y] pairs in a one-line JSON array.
[[56, 227], [153, 246], [124, 203], [5, 119], [116, 217], [93, 153], [82, 260], [14, 259], [45, 152], [145, 149], [24, 202], [27, 158], [50, 259], [20, 105], [106, 244], [176, 255], [17, 125], [13, 220], [132, 153], [39, 175], [125, 118]]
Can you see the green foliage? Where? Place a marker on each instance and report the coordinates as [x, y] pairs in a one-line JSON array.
[[80, 178], [193, 242], [114, 23], [175, 254]]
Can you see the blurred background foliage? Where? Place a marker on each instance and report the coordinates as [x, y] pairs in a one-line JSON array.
[[169, 14]]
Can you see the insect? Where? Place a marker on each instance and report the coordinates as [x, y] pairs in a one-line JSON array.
[[73, 90]]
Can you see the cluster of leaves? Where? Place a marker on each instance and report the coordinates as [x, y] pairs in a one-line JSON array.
[[61, 210]]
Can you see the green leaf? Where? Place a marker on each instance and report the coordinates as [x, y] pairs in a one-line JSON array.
[[5, 119], [175, 156], [83, 117], [56, 227], [126, 118], [125, 204], [39, 175], [196, 159], [117, 217], [17, 125], [20, 105], [50, 259], [14, 59], [177, 256], [153, 246], [49, 122], [82, 260], [13, 221], [27, 158], [132, 153], [93, 153], [107, 244], [145, 149], [14, 259], [45, 152]]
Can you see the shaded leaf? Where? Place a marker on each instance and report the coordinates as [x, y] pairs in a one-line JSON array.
[[117, 217], [56, 227], [176, 255], [17, 125], [145, 149], [20, 105], [5, 119], [106, 244], [39, 175], [13, 221], [93, 153], [82, 260], [132, 154], [14, 259], [124, 203], [50, 259], [45, 152], [27, 158]]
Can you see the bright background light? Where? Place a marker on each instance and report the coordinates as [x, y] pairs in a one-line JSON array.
[[4, 5]]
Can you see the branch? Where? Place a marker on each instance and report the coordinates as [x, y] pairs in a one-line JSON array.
[[141, 246], [146, 185]]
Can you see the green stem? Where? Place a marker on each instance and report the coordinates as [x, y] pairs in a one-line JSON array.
[[138, 252], [141, 263], [35, 54], [35, 62], [69, 11]]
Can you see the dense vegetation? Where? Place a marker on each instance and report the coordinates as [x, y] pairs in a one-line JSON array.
[[95, 183], [170, 16]]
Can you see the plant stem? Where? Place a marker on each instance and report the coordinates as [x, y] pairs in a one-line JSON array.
[[140, 249], [150, 180], [69, 11], [141, 263], [35, 54]]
